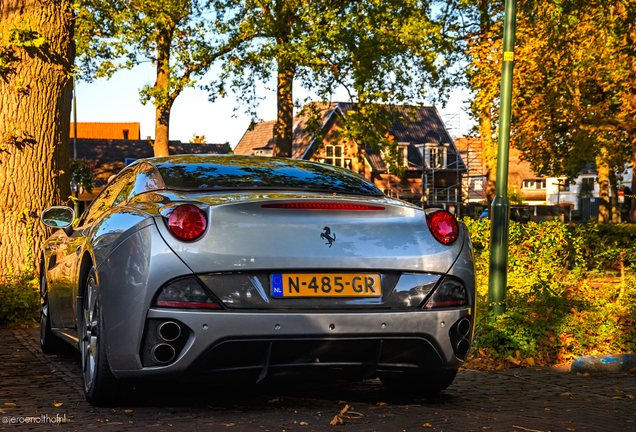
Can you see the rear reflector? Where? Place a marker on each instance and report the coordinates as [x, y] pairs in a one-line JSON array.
[[186, 304], [323, 206]]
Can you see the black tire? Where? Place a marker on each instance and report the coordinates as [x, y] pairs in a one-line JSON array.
[[419, 383], [49, 343], [101, 388]]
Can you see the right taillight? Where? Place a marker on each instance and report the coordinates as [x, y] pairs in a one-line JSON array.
[[187, 222], [450, 293], [443, 226]]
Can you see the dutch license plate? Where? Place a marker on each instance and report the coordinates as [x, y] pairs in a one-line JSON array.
[[325, 285]]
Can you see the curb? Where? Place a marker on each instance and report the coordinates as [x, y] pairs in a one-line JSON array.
[[611, 363]]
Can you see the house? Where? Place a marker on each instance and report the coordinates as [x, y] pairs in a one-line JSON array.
[[521, 176], [582, 193], [94, 130], [474, 182], [429, 154], [112, 155]]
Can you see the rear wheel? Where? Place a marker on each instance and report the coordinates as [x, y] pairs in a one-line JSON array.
[[101, 388], [49, 343], [419, 383]]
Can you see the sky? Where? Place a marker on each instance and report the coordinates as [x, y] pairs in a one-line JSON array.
[[117, 100]]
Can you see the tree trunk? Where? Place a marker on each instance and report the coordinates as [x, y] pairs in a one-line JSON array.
[[284, 133], [632, 208], [602, 167], [162, 130], [489, 153], [163, 100], [35, 96], [614, 206]]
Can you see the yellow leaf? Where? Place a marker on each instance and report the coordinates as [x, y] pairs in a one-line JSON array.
[[57, 404], [427, 425], [530, 361], [9, 404], [128, 411]]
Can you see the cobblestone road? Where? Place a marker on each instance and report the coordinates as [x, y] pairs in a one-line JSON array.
[[517, 400]]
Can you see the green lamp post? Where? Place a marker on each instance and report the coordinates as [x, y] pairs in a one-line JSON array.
[[500, 207]]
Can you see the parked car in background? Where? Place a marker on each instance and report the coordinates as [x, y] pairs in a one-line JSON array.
[[214, 267]]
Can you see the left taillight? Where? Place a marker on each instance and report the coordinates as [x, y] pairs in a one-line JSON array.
[[185, 293], [187, 222]]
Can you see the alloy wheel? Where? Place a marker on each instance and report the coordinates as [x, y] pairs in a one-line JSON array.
[[90, 333]]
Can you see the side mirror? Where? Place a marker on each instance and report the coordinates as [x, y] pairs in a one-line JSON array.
[[59, 217]]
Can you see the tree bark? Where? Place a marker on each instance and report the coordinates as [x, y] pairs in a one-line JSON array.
[[602, 167], [163, 99], [284, 132], [35, 96], [489, 153]]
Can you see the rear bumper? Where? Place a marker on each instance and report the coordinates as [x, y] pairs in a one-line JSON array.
[[266, 343]]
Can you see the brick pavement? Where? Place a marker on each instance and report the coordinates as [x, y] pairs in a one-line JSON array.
[[517, 400]]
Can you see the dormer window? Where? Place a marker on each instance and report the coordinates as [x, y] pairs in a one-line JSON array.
[[435, 155], [264, 152]]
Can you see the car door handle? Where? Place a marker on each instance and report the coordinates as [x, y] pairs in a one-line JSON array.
[[78, 250]]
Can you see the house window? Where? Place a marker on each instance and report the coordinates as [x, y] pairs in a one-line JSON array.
[[125, 134], [334, 156], [533, 184], [564, 185]]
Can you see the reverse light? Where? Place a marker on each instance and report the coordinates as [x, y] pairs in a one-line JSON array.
[[187, 222], [450, 293], [443, 226], [185, 293], [323, 206]]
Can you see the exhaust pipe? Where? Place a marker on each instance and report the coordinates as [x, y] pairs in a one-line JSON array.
[[162, 353], [462, 348], [169, 331], [463, 327]]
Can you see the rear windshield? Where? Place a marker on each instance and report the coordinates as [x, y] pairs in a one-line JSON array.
[[202, 172]]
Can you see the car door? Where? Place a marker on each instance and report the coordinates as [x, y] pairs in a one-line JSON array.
[[70, 253]]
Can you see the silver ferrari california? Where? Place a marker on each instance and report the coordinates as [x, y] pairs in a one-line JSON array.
[[200, 267]]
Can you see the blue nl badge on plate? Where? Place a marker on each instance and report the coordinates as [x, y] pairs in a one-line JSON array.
[[277, 285]]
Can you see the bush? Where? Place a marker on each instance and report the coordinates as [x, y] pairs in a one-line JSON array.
[[565, 297], [20, 298]]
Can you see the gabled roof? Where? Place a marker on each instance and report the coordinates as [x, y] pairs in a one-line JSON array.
[[110, 155], [426, 127], [260, 137]]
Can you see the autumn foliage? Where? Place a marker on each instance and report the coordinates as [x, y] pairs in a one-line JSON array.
[[571, 292]]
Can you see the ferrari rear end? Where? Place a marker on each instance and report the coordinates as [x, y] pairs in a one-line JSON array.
[[279, 278]]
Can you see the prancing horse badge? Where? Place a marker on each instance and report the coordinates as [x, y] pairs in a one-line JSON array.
[[327, 236]]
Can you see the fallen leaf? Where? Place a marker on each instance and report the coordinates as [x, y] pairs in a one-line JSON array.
[[633, 370], [128, 411], [586, 386], [275, 400], [304, 424], [228, 424], [530, 361], [629, 396], [338, 417], [381, 403], [427, 425], [565, 394], [57, 404], [9, 404]]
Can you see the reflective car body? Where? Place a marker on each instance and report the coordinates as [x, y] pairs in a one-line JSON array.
[[134, 296]]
